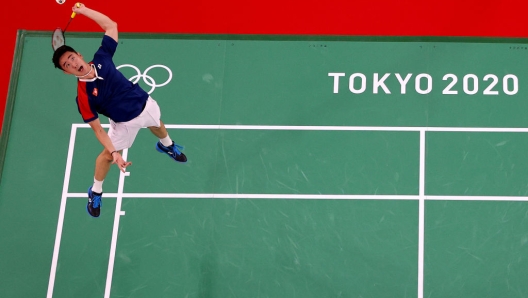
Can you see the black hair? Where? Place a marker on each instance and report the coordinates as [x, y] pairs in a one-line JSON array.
[[59, 52]]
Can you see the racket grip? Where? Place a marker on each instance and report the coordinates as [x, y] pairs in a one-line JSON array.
[[73, 13]]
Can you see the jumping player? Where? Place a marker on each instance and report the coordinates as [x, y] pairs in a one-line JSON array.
[[102, 89]]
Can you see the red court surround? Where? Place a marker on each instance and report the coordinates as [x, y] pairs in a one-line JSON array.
[[482, 18]]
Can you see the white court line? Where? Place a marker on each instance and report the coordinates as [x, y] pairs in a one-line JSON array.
[[421, 215], [62, 211], [303, 197], [336, 128], [349, 128], [117, 217], [250, 196], [477, 198]]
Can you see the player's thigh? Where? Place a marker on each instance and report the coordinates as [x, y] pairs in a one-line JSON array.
[[151, 114], [123, 134]]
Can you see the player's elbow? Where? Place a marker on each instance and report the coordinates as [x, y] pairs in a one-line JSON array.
[[112, 25]]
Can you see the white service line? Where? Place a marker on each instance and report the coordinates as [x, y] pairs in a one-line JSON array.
[[349, 128], [250, 196], [304, 197], [421, 215], [477, 198], [336, 128], [117, 216], [62, 211]]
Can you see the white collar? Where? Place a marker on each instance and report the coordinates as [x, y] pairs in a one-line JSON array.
[[92, 67]]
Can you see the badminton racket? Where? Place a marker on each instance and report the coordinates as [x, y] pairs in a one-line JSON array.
[[57, 38]]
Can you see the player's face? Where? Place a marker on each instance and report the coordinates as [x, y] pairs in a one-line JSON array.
[[73, 63]]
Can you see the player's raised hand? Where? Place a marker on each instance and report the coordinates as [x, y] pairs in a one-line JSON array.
[[78, 7]]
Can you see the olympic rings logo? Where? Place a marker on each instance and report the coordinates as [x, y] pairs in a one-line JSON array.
[[146, 78]]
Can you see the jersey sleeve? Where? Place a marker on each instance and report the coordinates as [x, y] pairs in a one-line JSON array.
[[83, 104], [108, 47]]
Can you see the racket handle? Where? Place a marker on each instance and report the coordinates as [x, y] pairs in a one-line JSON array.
[[73, 13]]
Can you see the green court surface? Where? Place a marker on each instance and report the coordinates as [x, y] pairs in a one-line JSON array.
[[318, 167]]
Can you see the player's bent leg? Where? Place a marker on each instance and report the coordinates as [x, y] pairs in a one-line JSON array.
[[172, 150], [102, 166], [160, 132]]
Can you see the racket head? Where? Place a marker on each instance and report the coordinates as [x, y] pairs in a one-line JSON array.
[[57, 39]]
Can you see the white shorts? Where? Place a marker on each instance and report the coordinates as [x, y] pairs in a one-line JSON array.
[[123, 134]]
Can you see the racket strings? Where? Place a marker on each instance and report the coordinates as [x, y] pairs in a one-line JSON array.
[[57, 39]]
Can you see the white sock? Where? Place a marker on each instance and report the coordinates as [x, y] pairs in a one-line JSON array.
[[166, 141], [97, 186]]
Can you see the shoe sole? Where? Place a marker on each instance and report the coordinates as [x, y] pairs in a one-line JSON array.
[[90, 213]]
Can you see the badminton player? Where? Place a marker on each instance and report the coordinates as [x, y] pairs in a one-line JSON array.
[[102, 89]]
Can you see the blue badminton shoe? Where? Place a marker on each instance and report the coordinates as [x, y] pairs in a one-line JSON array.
[[173, 151], [94, 203]]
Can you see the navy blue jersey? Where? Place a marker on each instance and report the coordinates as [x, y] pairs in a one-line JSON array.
[[110, 93]]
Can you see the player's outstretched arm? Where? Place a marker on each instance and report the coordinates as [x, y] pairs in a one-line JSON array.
[[109, 26], [104, 139]]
